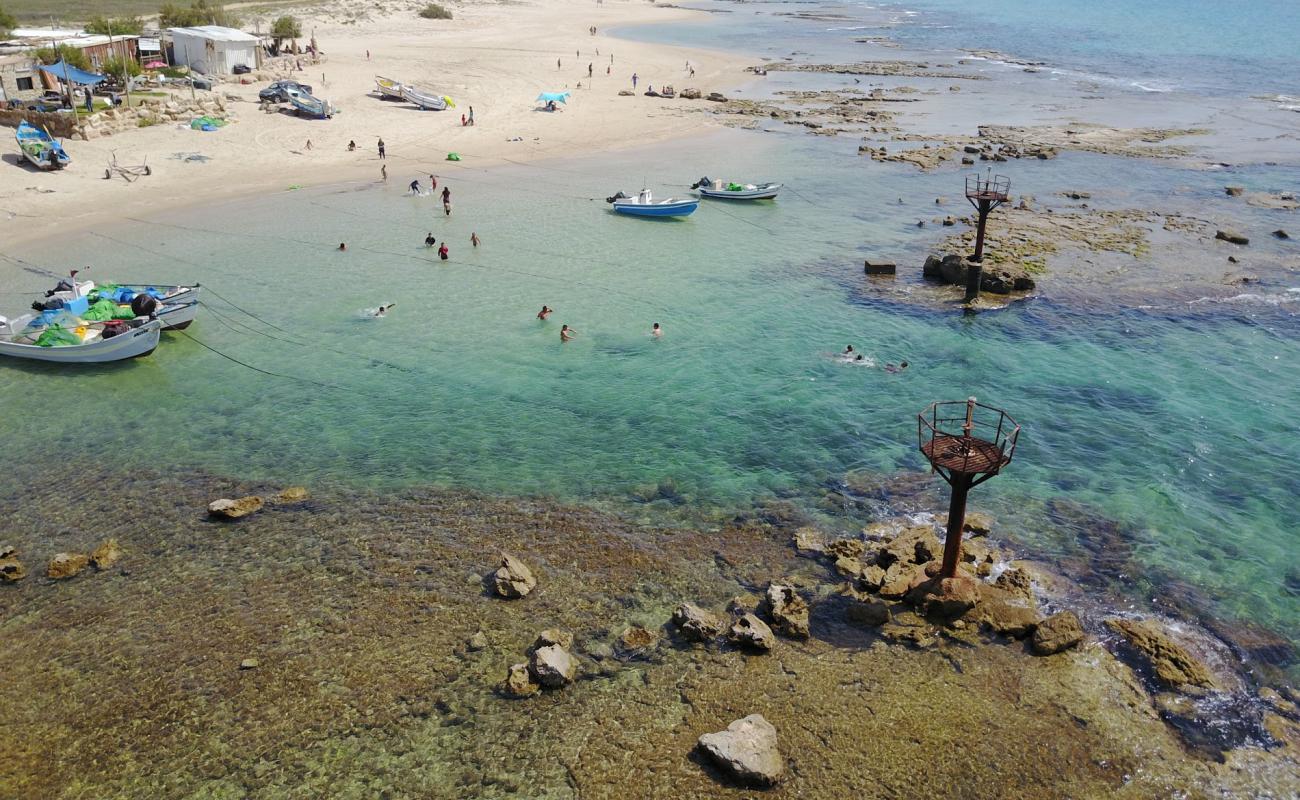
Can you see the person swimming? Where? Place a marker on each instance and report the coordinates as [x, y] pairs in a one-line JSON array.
[[566, 333], [545, 312], [902, 365], [429, 241], [656, 330], [848, 351], [473, 239], [383, 310], [342, 246], [859, 358]]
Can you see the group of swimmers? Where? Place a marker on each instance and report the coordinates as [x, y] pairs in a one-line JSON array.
[[567, 333], [851, 355]]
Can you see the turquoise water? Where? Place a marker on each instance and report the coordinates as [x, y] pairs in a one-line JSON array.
[[1176, 420]]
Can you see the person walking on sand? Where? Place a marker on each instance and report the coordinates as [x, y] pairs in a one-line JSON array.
[[557, 63], [608, 69], [471, 116], [442, 250], [381, 149], [462, 120], [589, 70], [473, 239], [566, 333], [545, 312], [308, 145], [633, 81], [383, 172]]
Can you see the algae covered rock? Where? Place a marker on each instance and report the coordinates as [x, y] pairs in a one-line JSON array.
[[1057, 633], [868, 612], [746, 751], [696, 624], [292, 494], [789, 611], [518, 682], [66, 565], [513, 579], [226, 508], [1171, 664], [635, 642], [106, 555], [752, 632], [478, 641]]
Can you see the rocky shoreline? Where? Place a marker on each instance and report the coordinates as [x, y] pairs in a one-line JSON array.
[[356, 644]]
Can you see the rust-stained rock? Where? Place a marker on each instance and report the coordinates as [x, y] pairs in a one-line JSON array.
[[66, 565], [635, 642], [226, 508], [1169, 662], [106, 555], [513, 579]]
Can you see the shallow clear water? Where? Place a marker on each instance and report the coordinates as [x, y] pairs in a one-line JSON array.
[[1177, 420]]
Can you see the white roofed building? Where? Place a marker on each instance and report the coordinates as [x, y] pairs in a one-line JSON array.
[[214, 50]]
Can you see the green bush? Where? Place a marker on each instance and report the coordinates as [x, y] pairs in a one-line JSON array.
[[118, 26], [75, 56], [175, 72], [116, 66], [7, 22], [285, 27], [201, 12], [435, 11]]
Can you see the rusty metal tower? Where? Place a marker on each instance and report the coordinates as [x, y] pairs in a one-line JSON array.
[[985, 193], [945, 433]]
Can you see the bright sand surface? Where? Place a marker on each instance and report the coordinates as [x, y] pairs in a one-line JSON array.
[[496, 58]]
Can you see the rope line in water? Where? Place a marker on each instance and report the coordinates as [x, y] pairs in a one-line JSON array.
[[265, 371]]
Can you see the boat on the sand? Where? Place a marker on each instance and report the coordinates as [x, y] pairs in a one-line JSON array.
[[314, 107], [388, 88], [722, 190], [40, 148], [644, 205], [427, 100]]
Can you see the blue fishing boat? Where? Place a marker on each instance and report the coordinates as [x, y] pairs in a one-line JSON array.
[[315, 107], [643, 205], [40, 148]]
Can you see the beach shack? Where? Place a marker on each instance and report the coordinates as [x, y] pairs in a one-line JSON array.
[[214, 50], [19, 78]]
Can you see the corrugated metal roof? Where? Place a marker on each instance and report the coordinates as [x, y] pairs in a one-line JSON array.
[[216, 33]]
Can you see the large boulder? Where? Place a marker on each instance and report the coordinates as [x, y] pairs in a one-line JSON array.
[[66, 565], [1169, 662], [552, 666], [225, 508], [1057, 633], [747, 751], [695, 624], [513, 579], [788, 611], [752, 632]]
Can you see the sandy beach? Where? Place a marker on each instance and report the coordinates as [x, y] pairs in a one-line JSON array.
[[494, 57]]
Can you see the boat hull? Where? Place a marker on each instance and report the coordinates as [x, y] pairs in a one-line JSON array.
[[760, 193], [425, 100], [388, 89], [311, 106], [682, 209], [39, 148], [135, 343]]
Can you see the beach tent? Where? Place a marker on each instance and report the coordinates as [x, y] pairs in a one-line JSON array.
[[553, 97], [64, 71]]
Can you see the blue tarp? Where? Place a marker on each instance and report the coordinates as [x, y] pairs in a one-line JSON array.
[[73, 74], [553, 97]]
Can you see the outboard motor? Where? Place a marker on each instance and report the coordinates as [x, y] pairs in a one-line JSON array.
[[705, 181], [618, 196], [144, 305]]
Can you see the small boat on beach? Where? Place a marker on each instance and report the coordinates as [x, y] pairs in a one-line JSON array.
[[644, 205], [427, 100], [314, 107], [40, 148], [62, 337], [720, 190], [388, 88]]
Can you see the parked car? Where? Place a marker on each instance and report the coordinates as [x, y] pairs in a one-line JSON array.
[[279, 91], [201, 81], [241, 69]]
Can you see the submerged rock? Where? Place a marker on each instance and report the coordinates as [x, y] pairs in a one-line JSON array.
[[11, 570], [553, 636], [1057, 633], [1171, 665], [867, 611], [1234, 191], [696, 624], [106, 555], [752, 632], [552, 666], [226, 508], [513, 579], [1281, 234], [809, 540], [250, 663], [292, 494], [66, 565], [635, 642], [519, 682], [747, 751], [478, 641], [1231, 236], [789, 611]]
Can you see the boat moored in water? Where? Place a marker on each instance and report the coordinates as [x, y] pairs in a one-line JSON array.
[[644, 205], [66, 339], [722, 190], [175, 305]]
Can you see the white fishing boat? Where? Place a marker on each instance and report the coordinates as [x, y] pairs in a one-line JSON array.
[[175, 305], [314, 107], [388, 88], [27, 337], [427, 100], [722, 190], [644, 205]]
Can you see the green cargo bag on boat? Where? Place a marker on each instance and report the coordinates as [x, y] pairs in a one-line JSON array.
[[57, 336]]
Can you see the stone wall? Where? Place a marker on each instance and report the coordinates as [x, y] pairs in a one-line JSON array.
[[154, 111]]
